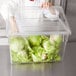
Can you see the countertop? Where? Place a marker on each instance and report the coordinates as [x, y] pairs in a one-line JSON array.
[[65, 68]]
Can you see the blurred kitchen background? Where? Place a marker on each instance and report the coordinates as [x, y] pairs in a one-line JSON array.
[[69, 9]]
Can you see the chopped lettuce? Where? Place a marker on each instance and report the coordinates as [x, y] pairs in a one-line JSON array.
[[38, 48], [56, 40], [44, 37], [48, 47], [19, 57], [35, 40], [57, 57], [17, 43], [38, 54]]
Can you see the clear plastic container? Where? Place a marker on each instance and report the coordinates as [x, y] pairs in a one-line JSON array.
[[42, 40]]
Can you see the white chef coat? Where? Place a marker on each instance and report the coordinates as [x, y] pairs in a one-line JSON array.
[[22, 10], [26, 12]]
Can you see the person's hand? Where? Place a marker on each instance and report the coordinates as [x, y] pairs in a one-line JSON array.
[[46, 5]]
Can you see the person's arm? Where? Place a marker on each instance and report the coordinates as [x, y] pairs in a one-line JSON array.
[[7, 11], [12, 7], [13, 25]]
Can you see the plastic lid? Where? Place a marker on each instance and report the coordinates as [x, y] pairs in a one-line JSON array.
[[45, 25]]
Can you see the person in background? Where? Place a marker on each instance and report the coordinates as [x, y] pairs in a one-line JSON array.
[[14, 5]]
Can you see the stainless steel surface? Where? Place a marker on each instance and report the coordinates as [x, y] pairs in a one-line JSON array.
[[64, 68], [71, 16]]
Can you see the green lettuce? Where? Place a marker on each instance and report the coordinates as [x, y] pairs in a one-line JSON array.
[[35, 40], [17, 43], [35, 48]]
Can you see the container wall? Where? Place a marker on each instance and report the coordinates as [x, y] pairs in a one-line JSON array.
[[37, 48], [40, 38]]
